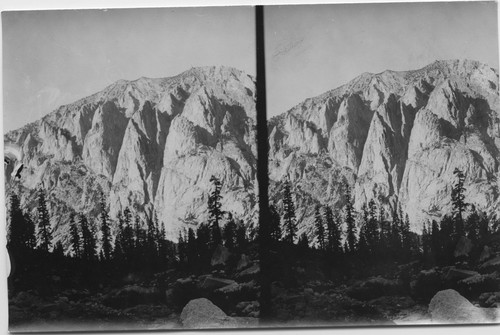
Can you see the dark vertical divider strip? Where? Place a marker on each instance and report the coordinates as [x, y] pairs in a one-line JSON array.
[[262, 169]]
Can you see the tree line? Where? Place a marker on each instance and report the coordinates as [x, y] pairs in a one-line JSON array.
[[373, 239]]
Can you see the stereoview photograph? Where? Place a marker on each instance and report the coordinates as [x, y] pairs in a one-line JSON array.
[[133, 188]]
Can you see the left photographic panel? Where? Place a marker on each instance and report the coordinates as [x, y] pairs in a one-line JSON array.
[[130, 168]]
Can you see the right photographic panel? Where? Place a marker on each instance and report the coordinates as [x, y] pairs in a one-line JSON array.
[[384, 164]]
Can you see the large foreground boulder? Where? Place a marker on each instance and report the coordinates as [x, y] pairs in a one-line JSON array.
[[202, 313], [449, 306]]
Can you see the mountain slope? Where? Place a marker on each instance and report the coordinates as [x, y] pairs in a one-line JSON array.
[[396, 137], [150, 144]]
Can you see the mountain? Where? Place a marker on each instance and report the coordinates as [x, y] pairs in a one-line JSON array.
[[150, 144], [395, 137]]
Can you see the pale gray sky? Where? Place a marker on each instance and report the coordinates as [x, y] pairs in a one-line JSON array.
[[312, 49], [56, 57]]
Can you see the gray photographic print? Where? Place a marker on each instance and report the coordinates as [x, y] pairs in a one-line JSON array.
[[137, 149]]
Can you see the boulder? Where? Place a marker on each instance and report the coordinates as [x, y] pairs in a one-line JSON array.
[[491, 265], [249, 308], [132, 295], [485, 254], [249, 273], [220, 256], [202, 313], [243, 263], [480, 283], [449, 306], [463, 248], [455, 274], [213, 283], [490, 299]]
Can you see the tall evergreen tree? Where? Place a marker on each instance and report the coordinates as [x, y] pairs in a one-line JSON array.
[[290, 226], [29, 232], [351, 232], [274, 224], [333, 228], [372, 229], [75, 239], [128, 243], [88, 239], [191, 250], [385, 228], [320, 228], [435, 241], [229, 233], [426, 241], [105, 229], [395, 241], [458, 201], [21, 231], [44, 230], [241, 237], [215, 211]]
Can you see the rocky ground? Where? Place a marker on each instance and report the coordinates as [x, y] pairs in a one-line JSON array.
[[411, 294], [141, 303]]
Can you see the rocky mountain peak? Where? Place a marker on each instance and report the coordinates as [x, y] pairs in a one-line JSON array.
[[396, 137], [150, 144]]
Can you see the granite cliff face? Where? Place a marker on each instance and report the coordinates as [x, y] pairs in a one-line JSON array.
[[396, 137], [150, 144]]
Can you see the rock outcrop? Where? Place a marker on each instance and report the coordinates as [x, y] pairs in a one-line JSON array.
[[450, 307], [202, 313]]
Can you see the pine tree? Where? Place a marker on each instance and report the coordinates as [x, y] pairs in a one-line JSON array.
[[472, 226], [119, 252], [274, 224], [215, 211], [229, 233], [75, 238], [320, 228], [128, 234], [333, 229], [105, 229], [202, 243], [483, 227], [351, 238], [88, 239], [241, 237], [435, 241], [363, 247], [395, 242], [290, 226], [44, 230], [29, 232], [192, 252], [21, 233], [182, 249], [385, 229], [426, 241], [372, 229], [458, 201], [405, 233]]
